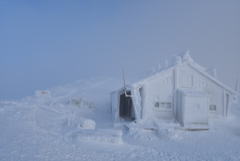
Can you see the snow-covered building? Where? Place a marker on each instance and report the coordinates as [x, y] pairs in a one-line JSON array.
[[184, 91]]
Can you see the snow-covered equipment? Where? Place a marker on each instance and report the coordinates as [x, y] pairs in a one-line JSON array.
[[76, 102], [40, 93], [80, 122], [80, 102], [184, 91]]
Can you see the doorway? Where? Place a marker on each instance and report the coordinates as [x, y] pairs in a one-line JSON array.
[[126, 106]]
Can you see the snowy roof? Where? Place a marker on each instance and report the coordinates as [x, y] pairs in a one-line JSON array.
[[193, 92], [181, 60], [213, 79], [151, 77]]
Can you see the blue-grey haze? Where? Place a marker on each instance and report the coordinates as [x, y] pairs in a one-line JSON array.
[[48, 43]]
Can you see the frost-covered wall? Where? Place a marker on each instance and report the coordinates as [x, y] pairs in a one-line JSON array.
[[196, 110], [192, 107], [203, 83], [159, 96]]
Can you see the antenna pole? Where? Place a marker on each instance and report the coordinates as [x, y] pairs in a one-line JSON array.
[[124, 79], [125, 89]]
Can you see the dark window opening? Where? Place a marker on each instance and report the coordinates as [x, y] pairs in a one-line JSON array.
[[213, 107], [126, 107]]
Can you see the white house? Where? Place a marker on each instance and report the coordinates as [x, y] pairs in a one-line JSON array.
[[185, 92]]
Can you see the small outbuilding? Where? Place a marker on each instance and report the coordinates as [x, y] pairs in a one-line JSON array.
[[192, 106], [184, 92]]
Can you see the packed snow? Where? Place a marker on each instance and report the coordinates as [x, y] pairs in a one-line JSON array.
[[49, 126]]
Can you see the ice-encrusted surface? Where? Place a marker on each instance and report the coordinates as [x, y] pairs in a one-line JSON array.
[[35, 128]]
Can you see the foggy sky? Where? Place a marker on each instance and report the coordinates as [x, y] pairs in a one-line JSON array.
[[48, 43]]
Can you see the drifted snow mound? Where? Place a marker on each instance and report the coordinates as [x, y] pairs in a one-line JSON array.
[[109, 136], [169, 133], [81, 123], [142, 133], [87, 124]]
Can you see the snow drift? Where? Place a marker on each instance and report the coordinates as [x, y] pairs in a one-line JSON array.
[[49, 128]]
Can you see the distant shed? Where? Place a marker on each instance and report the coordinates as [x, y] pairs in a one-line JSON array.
[[192, 107]]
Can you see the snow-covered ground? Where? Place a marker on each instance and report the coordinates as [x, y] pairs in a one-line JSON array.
[[48, 128]]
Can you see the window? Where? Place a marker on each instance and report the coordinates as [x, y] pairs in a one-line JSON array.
[[212, 107], [166, 105], [163, 106]]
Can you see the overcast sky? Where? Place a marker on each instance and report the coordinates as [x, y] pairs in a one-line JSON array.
[[48, 43]]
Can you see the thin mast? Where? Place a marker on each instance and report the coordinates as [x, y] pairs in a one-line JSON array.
[[125, 89]]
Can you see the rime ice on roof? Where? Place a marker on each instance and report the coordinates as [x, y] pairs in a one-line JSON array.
[[177, 60], [186, 57]]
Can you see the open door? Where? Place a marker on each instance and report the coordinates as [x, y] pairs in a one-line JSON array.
[[126, 106]]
